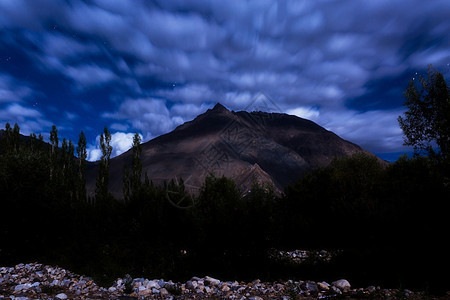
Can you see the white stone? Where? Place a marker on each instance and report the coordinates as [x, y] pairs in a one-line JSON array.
[[341, 284], [61, 296], [153, 284], [112, 289], [24, 286], [212, 281]]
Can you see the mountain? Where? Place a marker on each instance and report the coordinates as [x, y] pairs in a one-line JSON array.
[[265, 147]]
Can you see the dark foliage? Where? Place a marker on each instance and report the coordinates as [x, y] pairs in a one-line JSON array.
[[389, 221], [426, 123]]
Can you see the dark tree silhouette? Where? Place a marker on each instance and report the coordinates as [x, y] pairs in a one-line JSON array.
[[426, 124], [101, 186], [82, 156]]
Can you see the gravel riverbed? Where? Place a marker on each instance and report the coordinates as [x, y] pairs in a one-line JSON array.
[[38, 281]]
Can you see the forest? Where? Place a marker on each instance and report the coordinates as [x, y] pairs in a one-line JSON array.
[[389, 222]]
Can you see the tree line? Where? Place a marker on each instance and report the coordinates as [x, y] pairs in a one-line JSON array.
[[389, 222]]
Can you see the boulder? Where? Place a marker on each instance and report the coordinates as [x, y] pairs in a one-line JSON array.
[[342, 284]]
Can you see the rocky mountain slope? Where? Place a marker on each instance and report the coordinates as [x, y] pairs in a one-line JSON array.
[[270, 148]]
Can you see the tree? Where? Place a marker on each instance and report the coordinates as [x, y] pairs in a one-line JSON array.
[[426, 124], [82, 156], [132, 182], [16, 138], [101, 186], [7, 142], [54, 138]]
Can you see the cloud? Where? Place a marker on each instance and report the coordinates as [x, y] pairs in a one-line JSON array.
[[377, 130], [120, 141], [30, 120], [86, 76], [305, 112], [162, 63], [13, 90], [149, 116]]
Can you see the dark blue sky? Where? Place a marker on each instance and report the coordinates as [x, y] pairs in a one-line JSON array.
[[141, 66]]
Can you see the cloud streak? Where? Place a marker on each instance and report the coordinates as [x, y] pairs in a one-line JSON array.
[[148, 67]]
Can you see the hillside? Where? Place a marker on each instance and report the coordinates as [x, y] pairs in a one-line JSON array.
[[270, 148]]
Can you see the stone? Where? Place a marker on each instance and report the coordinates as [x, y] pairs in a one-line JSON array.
[[371, 289], [163, 292], [225, 288], [20, 287], [336, 290], [311, 287], [153, 284], [323, 286], [112, 289], [191, 285], [155, 291], [61, 296], [161, 283], [342, 284], [212, 281]]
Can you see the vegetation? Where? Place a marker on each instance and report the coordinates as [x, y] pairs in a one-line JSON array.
[[426, 124], [388, 221]]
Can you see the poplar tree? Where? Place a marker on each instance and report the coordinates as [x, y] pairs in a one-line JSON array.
[[132, 182], [101, 186], [82, 156], [16, 138]]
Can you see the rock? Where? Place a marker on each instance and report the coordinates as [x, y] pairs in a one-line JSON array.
[[20, 287], [342, 284], [155, 291], [153, 284], [255, 298], [336, 290], [112, 289], [161, 283], [211, 281], [371, 289], [225, 288], [191, 285], [309, 286], [163, 292], [323, 286], [61, 296]]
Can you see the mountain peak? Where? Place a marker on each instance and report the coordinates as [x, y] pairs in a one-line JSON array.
[[219, 107]]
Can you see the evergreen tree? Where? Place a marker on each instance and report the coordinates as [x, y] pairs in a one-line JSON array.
[[54, 139], [32, 142], [7, 143], [132, 183], [82, 156], [15, 138], [101, 186]]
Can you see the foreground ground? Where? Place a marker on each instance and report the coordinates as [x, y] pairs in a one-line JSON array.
[[37, 281]]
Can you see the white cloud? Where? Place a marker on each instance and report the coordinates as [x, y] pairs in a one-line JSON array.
[[147, 115], [120, 141], [29, 120], [305, 112], [376, 131]]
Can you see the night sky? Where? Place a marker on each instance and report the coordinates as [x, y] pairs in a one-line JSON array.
[[147, 67]]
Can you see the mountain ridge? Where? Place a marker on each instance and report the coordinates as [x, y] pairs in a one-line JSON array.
[[279, 146]]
